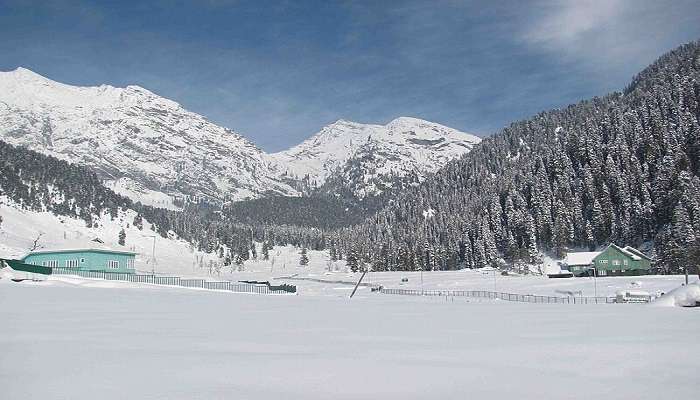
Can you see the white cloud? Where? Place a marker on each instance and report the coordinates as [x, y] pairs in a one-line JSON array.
[[567, 22], [610, 36]]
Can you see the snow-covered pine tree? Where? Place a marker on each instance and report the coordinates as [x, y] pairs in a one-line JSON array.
[[138, 221], [122, 237], [352, 261], [266, 250], [333, 252], [304, 258]]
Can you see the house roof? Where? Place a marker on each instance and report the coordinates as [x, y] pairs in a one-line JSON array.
[[581, 258], [629, 251], [637, 252], [81, 250], [587, 257], [631, 254]]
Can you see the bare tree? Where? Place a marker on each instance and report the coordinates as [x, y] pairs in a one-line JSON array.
[[35, 245]]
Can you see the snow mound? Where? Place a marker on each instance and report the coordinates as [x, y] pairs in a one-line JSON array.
[[6, 274], [684, 296]]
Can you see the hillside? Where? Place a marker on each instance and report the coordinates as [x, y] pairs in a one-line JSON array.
[[621, 168], [39, 192]]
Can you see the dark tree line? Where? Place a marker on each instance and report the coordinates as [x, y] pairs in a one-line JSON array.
[[317, 211]]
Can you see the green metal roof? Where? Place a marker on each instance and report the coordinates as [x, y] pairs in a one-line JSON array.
[[18, 265]]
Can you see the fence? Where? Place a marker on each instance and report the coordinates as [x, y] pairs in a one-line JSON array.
[[178, 281], [482, 294]]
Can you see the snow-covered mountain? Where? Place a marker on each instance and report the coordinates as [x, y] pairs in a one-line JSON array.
[[145, 146], [367, 158], [151, 149]]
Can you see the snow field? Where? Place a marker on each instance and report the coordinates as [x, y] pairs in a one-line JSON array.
[[145, 341], [177, 344]]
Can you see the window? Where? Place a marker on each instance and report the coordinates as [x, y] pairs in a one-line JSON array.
[[72, 263], [625, 262], [616, 262], [602, 261], [602, 272], [130, 263], [113, 264], [50, 263]]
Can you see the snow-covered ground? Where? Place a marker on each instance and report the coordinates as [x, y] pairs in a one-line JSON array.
[[20, 228], [176, 257], [72, 338], [65, 341]]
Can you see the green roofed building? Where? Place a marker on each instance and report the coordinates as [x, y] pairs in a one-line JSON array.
[[88, 259], [613, 261]]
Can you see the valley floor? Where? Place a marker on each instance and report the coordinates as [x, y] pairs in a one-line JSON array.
[[175, 257], [71, 338], [69, 341]]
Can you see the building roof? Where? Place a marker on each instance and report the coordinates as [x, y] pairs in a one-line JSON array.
[[587, 257], [637, 252], [81, 250], [581, 258], [630, 252]]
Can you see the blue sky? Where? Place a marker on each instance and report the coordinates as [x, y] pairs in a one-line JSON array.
[[277, 71]]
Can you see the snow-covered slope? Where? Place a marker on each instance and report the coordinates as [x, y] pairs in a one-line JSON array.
[[152, 150], [137, 141], [370, 156], [21, 227]]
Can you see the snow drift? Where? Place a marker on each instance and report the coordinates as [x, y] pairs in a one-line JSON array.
[[684, 296]]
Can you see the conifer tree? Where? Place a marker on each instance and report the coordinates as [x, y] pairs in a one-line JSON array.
[[333, 252], [138, 222], [304, 259], [266, 250], [122, 237], [352, 261]]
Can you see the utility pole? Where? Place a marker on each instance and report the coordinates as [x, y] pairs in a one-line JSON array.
[[358, 283], [494, 280], [421, 281], [427, 214], [153, 254], [595, 282]]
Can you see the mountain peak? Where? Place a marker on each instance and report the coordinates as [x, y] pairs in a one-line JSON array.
[[401, 147], [145, 146], [22, 71], [150, 148], [23, 74], [408, 121]]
